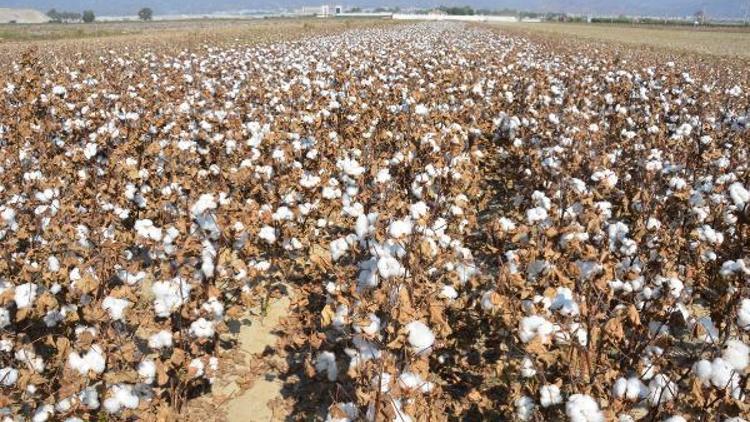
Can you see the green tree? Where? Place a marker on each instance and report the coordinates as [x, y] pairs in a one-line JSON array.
[[54, 15], [88, 16], [146, 14]]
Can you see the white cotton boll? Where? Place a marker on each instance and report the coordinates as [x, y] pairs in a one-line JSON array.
[[53, 264], [25, 295], [620, 388], [338, 248], [525, 408], [411, 381], [721, 373], [743, 315], [326, 362], [564, 303], [30, 359], [549, 395], [535, 215], [214, 307], [160, 340], [4, 318], [533, 326], [418, 210], [309, 180], [370, 326], [606, 177], [448, 292], [675, 418], [421, 110], [268, 234], [384, 378], [740, 196], [661, 390], [145, 228], [115, 307], [43, 413], [383, 176], [421, 337], [400, 228], [486, 302], [703, 370], [197, 367], [169, 296], [389, 266], [351, 167], [147, 371], [737, 354], [89, 397], [583, 408], [527, 368], [121, 395], [635, 389], [349, 409], [93, 360], [202, 328], [89, 151], [8, 376]]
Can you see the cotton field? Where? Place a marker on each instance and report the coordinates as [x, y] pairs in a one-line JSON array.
[[475, 226]]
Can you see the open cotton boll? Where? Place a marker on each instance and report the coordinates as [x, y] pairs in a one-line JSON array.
[[418, 210], [549, 395], [535, 215], [400, 228], [160, 340], [675, 418], [115, 307], [169, 295], [583, 408], [196, 368], [145, 228], [338, 248], [421, 337], [326, 362], [631, 388], [147, 371], [4, 317], [740, 196], [564, 303], [93, 360], [202, 328], [737, 354], [389, 266], [25, 295], [343, 412], [743, 315], [533, 326], [268, 234], [525, 408], [448, 292], [43, 413], [412, 381], [121, 395], [527, 368], [8, 376], [661, 390]]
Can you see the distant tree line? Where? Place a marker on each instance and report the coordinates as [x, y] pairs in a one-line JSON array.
[[69, 17], [88, 16]]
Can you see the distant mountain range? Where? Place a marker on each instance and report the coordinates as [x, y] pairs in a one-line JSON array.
[[712, 8]]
